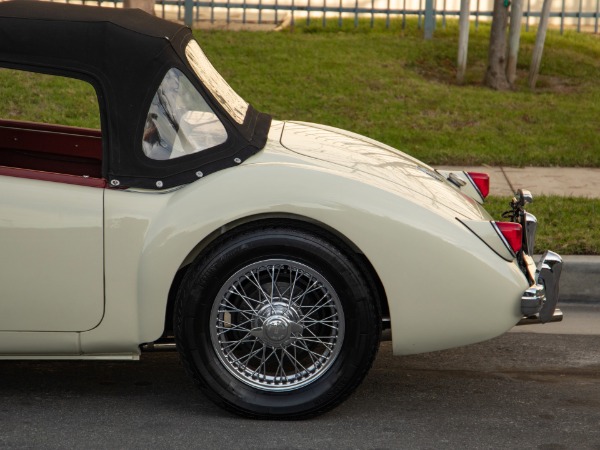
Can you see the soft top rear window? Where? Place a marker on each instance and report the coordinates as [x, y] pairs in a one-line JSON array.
[[179, 121]]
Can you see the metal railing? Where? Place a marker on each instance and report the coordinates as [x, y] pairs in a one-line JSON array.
[[581, 15], [573, 14]]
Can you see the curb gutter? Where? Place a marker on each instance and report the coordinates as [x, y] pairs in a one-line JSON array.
[[580, 279]]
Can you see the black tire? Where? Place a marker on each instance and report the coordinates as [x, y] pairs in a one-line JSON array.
[[260, 354]]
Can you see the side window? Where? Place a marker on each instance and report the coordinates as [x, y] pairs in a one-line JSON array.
[[50, 124], [179, 121]]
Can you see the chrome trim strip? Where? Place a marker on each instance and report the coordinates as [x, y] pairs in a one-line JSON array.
[[159, 347], [386, 322], [90, 357]]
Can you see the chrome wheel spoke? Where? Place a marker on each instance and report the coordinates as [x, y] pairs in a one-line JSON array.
[[317, 340], [300, 298], [257, 284], [235, 344], [329, 319], [249, 356], [232, 326], [318, 306], [315, 323], [295, 361], [247, 300], [310, 353], [279, 366]]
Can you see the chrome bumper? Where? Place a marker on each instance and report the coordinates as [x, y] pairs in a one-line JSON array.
[[538, 303], [530, 320]]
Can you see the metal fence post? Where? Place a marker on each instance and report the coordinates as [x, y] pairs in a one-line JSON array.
[[188, 15], [429, 19]]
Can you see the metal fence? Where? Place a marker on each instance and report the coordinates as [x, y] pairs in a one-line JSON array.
[[571, 14], [581, 15]]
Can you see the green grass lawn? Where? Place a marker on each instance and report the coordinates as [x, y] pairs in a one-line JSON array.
[[48, 99], [395, 87]]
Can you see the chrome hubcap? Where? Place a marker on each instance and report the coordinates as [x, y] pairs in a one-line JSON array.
[[278, 325]]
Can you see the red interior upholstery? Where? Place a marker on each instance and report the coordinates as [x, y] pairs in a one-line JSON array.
[[51, 148]]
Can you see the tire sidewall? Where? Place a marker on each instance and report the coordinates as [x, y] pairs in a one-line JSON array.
[[199, 292]]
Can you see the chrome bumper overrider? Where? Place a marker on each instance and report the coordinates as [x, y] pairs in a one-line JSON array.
[[556, 317], [538, 303]]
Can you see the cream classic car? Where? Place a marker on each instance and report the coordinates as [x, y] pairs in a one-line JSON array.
[[271, 253]]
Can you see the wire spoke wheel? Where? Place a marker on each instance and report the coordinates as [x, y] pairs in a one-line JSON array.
[[273, 321], [278, 325]]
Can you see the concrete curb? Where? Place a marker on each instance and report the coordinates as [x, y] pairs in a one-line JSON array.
[[580, 280]]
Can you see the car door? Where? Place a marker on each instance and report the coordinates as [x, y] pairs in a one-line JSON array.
[[51, 206], [51, 268]]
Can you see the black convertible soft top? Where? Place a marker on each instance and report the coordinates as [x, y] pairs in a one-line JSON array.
[[124, 54]]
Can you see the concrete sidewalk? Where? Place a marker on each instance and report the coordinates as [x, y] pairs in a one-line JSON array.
[[565, 181], [580, 281]]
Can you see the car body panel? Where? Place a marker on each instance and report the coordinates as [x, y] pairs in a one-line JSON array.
[[437, 275], [413, 179], [489, 234], [52, 275], [38, 345]]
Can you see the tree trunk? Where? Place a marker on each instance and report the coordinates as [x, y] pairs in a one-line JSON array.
[[144, 5], [538, 49], [463, 41], [516, 14], [495, 76]]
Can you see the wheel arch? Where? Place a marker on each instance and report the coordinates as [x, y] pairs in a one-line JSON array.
[[269, 219]]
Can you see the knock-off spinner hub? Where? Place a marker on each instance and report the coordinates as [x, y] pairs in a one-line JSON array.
[[276, 328], [276, 324]]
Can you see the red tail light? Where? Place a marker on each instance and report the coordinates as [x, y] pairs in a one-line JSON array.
[[513, 233], [482, 181]]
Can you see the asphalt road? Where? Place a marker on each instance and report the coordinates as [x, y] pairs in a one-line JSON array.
[[521, 390]]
